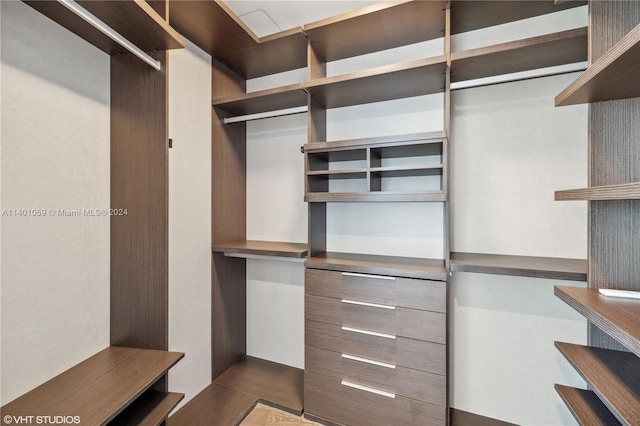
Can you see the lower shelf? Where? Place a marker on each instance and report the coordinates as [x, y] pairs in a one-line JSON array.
[[586, 407], [263, 248], [150, 409]]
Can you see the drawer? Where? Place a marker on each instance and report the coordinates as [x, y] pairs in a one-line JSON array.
[[400, 351], [427, 387], [413, 323], [349, 403], [395, 291]]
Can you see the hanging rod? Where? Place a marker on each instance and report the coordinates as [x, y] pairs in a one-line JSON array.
[[518, 76], [268, 114], [109, 32]]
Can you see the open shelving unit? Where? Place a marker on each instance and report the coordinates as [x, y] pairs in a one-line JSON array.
[[521, 266], [99, 389], [625, 191]]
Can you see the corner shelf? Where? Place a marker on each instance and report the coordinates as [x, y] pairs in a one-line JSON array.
[[625, 191], [472, 15], [586, 407], [404, 80], [133, 19], [549, 50], [521, 266], [101, 387], [619, 318], [282, 97], [612, 76], [408, 267], [614, 377], [387, 25], [263, 248]]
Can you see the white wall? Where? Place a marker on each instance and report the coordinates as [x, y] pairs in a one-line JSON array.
[[190, 219], [55, 111]]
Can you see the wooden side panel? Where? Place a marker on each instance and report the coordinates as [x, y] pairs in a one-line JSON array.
[[139, 183], [228, 291], [614, 156]]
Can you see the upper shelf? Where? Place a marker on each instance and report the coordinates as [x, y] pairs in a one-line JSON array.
[[135, 20], [377, 27], [430, 269], [624, 191], [420, 77], [283, 97], [549, 50], [98, 388], [619, 318], [263, 248], [613, 76], [521, 266], [469, 15]]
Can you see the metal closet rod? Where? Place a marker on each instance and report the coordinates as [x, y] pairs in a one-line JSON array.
[[105, 29]]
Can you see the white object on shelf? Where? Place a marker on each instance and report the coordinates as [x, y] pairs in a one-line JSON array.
[[626, 294]]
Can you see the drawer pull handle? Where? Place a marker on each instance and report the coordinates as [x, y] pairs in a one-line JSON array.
[[379, 277], [369, 333], [368, 389], [371, 305], [369, 361]]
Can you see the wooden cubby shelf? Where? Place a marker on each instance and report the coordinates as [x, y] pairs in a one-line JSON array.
[[612, 76], [549, 50], [386, 25], [625, 191], [135, 20], [263, 248], [521, 266], [152, 408], [619, 318], [373, 197], [586, 407], [283, 97], [409, 267], [614, 377], [102, 386], [469, 15], [397, 81]]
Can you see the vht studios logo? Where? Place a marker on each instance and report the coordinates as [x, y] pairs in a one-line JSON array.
[[41, 420]]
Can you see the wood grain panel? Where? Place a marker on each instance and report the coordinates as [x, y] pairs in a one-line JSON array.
[[263, 248], [317, 228], [464, 418], [424, 356], [272, 383], [151, 408], [406, 292], [586, 407], [403, 381], [407, 267], [411, 323], [139, 183], [215, 405], [98, 388], [327, 398], [613, 375], [521, 266]]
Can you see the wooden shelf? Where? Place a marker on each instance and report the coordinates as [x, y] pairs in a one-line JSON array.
[[521, 266], [283, 97], [415, 78], [385, 25], [409, 267], [612, 76], [375, 197], [434, 138], [135, 20], [99, 388], [275, 384], [263, 248], [625, 191], [586, 407], [613, 375], [549, 50], [151, 408], [469, 15], [407, 171], [619, 318]]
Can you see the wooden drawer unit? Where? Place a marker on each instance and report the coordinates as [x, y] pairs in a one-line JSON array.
[[351, 403], [427, 387], [387, 319], [380, 289], [400, 351]]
